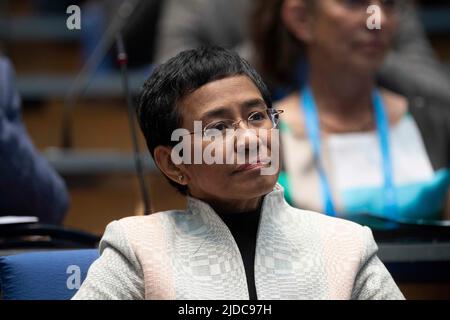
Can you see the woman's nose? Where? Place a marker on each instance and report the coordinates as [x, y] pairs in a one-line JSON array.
[[240, 125], [246, 139]]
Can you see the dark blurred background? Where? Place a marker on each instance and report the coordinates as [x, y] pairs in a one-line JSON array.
[[47, 57]]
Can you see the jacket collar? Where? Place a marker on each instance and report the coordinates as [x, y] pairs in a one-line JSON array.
[[273, 212], [273, 200]]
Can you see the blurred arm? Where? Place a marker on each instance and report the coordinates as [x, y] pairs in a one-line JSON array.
[[29, 186], [373, 281]]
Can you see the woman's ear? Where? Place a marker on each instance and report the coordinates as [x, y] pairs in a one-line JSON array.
[[163, 160], [296, 16]]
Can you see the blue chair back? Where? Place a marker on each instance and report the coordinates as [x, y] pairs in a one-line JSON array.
[[49, 275]]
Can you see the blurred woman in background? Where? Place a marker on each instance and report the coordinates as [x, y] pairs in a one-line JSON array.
[[350, 147]]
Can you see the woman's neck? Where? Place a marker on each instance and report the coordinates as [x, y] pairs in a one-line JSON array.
[[341, 92], [234, 206], [343, 98]]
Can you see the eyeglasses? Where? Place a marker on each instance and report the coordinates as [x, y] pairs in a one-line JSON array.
[[257, 120]]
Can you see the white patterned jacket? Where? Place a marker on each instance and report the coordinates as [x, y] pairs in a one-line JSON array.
[[192, 255]]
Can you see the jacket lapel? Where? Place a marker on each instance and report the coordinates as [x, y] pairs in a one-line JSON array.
[[288, 264], [208, 264], [206, 260]]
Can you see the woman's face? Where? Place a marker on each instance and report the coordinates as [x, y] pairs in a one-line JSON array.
[[233, 98], [338, 32]]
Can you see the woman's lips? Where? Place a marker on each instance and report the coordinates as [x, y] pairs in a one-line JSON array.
[[374, 45], [252, 166]]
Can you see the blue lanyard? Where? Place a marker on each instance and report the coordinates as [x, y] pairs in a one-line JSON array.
[[382, 123]]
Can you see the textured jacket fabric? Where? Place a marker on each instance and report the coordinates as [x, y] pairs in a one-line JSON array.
[[192, 255]]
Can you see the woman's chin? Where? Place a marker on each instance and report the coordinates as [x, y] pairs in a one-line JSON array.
[[254, 185], [368, 64]]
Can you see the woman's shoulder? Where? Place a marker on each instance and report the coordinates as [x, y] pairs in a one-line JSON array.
[[429, 110], [420, 107], [349, 239], [426, 111], [396, 106], [138, 229], [325, 223]]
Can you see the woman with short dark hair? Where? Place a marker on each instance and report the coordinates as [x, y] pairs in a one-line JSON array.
[[238, 238]]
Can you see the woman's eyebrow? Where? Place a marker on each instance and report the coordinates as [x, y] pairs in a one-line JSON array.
[[216, 113], [254, 103], [225, 111]]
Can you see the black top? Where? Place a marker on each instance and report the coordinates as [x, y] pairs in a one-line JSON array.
[[244, 228]]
